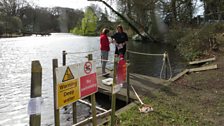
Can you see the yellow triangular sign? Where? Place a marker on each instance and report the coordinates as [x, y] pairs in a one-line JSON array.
[[68, 75]]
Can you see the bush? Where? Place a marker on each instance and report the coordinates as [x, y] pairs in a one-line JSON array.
[[197, 42], [174, 35]]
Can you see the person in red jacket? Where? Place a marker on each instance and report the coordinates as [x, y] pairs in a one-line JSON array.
[[105, 48]]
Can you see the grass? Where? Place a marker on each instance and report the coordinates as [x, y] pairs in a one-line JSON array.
[[193, 104], [165, 113]]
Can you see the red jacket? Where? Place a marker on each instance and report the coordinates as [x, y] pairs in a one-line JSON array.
[[104, 43]]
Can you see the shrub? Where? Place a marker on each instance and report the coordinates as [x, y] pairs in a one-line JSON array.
[[197, 42]]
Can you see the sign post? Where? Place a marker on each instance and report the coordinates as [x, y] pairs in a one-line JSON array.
[[56, 111], [93, 99], [74, 115], [74, 82], [113, 103]]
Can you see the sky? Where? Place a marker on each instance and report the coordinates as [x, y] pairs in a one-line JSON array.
[[75, 4]]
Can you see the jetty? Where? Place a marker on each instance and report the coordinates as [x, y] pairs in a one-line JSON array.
[[142, 83]]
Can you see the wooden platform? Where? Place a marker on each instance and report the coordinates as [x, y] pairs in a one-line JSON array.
[[142, 83]]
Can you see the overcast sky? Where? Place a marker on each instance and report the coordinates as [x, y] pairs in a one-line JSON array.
[[75, 4]]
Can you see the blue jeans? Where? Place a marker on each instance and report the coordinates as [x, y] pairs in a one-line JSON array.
[[104, 56]]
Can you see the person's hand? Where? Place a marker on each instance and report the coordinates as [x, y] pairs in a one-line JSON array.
[[114, 41], [120, 46]]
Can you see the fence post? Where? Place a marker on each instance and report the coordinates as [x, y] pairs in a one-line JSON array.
[[64, 58], [128, 82], [36, 86], [93, 99], [56, 111], [113, 104]]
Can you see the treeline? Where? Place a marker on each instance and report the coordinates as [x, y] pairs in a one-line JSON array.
[[150, 15], [176, 22], [20, 17]]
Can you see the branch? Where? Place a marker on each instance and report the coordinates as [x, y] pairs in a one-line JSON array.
[[126, 20]]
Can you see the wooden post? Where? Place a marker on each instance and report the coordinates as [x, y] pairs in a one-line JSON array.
[[113, 102], [165, 64], [64, 58], [74, 112], [128, 82], [56, 111], [36, 85], [93, 99], [74, 106]]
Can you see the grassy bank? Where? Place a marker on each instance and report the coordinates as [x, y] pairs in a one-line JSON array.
[[195, 99]]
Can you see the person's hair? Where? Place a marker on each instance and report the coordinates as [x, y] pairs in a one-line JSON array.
[[105, 31], [120, 26]]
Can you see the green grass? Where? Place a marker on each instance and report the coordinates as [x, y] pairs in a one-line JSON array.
[[168, 111]]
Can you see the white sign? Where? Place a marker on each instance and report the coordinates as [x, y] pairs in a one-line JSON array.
[[34, 106], [87, 68], [116, 88]]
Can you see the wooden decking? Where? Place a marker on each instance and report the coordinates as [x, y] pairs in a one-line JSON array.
[[142, 83]]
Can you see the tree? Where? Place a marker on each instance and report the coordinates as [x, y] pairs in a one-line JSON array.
[[12, 7], [214, 9], [88, 24]]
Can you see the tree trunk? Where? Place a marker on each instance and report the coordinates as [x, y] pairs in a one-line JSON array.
[[174, 12]]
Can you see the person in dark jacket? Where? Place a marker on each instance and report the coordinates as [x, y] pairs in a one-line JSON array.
[[105, 48], [121, 39]]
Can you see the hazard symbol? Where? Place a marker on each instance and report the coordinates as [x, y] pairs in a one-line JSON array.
[[68, 75], [88, 67]]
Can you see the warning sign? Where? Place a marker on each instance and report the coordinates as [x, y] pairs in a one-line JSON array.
[[75, 82], [88, 85], [68, 88], [88, 67], [68, 75], [68, 92], [88, 81]]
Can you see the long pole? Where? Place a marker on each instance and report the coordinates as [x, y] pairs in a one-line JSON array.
[[93, 99], [128, 82], [56, 111], [36, 84]]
